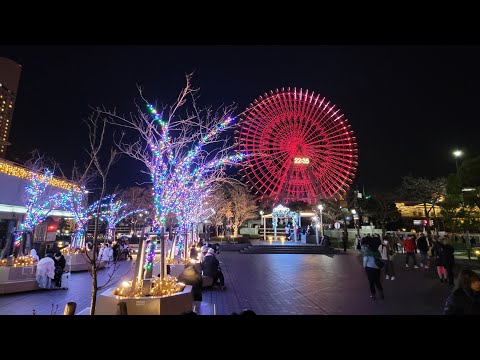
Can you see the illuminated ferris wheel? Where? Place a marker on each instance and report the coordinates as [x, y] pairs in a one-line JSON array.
[[300, 147]]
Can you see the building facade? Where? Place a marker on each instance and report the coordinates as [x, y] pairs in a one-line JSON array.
[[13, 179], [9, 79]]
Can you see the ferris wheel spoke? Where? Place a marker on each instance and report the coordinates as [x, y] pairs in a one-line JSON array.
[[330, 172], [270, 171]]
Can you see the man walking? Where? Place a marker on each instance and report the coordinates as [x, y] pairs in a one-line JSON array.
[[345, 241], [410, 246]]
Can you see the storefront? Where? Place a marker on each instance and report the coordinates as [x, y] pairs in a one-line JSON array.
[[13, 179]]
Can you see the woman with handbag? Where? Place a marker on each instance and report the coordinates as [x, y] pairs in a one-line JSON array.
[[372, 263]]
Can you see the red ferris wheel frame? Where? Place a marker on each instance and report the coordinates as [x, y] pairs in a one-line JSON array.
[[300, 147]]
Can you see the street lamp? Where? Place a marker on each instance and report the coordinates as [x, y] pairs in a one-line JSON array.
[[355, 220], [264, 226], [457, 154], [320, 207], [315, 219]]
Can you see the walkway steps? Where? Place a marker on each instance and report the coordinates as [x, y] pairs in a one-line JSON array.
[[288, 249]]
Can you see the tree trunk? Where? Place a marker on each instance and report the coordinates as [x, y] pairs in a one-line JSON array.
[[94, 263], [216, 230], [427, 227], [384, 230], [29, 240], [163, 259], [235, 231]]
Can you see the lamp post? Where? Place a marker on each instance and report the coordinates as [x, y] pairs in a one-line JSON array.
[[264, 225], [458, 154], [355, 221], [320, 207], [315, 220]]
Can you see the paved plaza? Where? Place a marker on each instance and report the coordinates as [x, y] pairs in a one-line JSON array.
[[276, 284]]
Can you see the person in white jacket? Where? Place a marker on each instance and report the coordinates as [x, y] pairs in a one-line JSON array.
[[45, 272], [387, 253], [34, 254], [106, 254]]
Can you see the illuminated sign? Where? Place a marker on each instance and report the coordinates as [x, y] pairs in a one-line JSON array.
[[301, 160]]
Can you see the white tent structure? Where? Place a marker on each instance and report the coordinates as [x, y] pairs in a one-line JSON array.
[[282, 212]]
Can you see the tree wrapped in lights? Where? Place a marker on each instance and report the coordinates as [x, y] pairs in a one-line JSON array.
[[114, 212], [75, 201], [94, 172], [39, 203], [137, 198], [40, 199], [179, 151]]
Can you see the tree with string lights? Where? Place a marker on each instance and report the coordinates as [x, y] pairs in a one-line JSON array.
[[40, 199], [94, 172], [137, 197], [75, 201], [178, 150], [114, 212]]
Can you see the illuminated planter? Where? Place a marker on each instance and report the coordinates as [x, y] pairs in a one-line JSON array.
[[18, 279], [79, 262], [176, 304]]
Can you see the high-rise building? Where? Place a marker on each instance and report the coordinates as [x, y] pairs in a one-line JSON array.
[[9, 78]]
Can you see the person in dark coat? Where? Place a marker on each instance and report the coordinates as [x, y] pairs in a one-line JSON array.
[[437, 254], [190, 276], [211, 267], [465, 298], [448, 260], [422, 246], [116, 252], [215, 247], [193, 252], [345, 242], [60, 263]]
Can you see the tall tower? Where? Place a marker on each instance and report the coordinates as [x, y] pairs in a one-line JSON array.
[[9, 78]]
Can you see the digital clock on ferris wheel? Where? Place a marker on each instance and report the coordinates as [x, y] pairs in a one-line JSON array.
[[301, 160]]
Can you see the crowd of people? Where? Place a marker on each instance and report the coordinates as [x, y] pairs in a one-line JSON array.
[[439, 253], [110, 252]]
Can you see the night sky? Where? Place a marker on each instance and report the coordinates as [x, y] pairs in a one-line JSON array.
[[409, 106]]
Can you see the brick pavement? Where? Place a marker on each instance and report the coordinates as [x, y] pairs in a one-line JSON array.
[[279, 284]]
